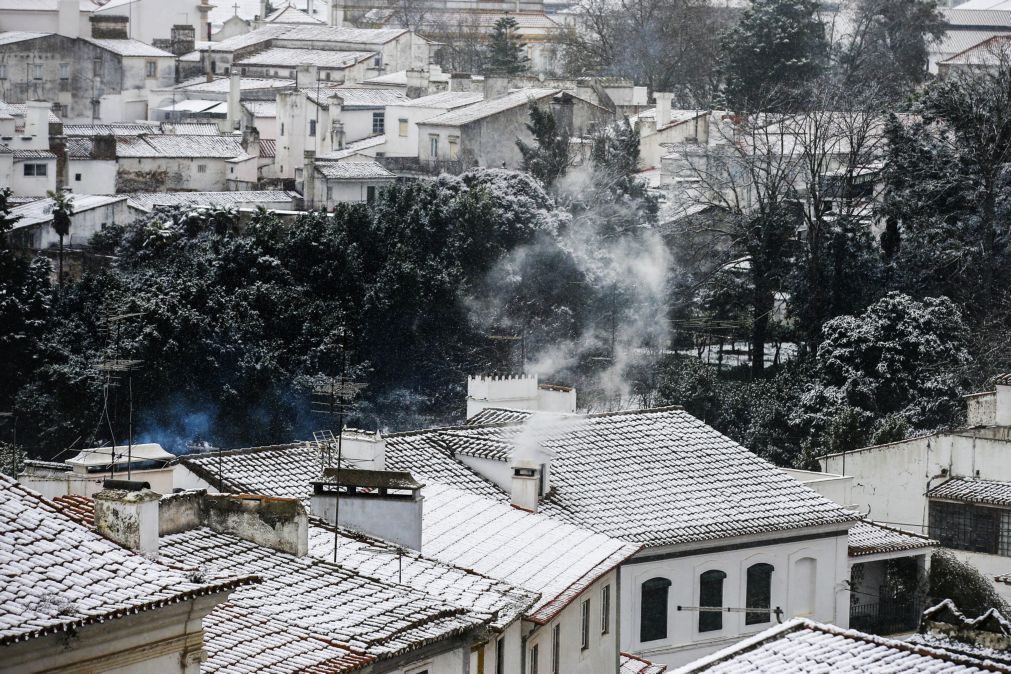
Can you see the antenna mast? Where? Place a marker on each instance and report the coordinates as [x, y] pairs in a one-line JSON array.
[[114, 368]]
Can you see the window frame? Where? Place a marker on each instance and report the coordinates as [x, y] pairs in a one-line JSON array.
[[534, 658], [556, 648], [500, 655], [151, 69], [312, 128], [38, 72], [34, 169], [433, 145], [659, 602], [584, 624], [750, 592], [378, 122], [711, 621], [605, 609], [403, 127]]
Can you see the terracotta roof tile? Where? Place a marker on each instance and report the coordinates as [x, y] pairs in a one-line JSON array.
[[990, 492]]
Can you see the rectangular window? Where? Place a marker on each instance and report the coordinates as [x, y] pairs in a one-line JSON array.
[[377, 61], [433, 147], [968, 527], [36, 71], [77, 177], [312, 127], [584, 625], [201, 168], [378, 122], [556, 647], [500, 656], [711, 598], [37, 170], [282, 128], [454, 148], [329, 192], [370, 194], [96, 67], [3, 71], [534, 658], [64, 71], [151, 68], [605, 609], [403, 127]]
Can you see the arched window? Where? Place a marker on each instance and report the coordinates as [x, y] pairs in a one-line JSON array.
[[711, 596], [653, 610], [759, 594], [804, 582]]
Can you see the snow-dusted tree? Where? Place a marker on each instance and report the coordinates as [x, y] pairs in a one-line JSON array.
[[887, 44], [900, 359], [769, 57], [507, 55], [549, 157]]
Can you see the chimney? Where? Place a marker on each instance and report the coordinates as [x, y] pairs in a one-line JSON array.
[[1002, 416], [309, 8], [336, 14], [113, 27], [234, 99], [58, 146], [338, 135], [37, 120], [129, 518], [379, 503], [69, 18], [663, 101], [526, 484], [460, 82], [335, 137], [272, 522], [517, 392], [417, 82], [184, 39], [363, 449], [263, 10], [309, 180], [306, 76]]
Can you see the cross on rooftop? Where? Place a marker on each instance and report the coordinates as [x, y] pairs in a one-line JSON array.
[[236, 8]]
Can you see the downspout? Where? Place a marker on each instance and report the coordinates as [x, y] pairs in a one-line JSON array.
[[616, 601]]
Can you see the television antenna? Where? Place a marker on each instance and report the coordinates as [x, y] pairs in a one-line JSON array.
[[331, 398], [116, 368]]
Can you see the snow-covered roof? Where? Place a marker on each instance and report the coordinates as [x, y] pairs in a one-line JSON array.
[[268, 148], [59, 575], [989, 52], [147, 201], [191, 128], [103, 456], [351, 149], [368, 616], [654, 477], [528, 550], [253, 641], [357, 97], [966, 490], [164, 145], [289, 14], [27, 155], [353, 170], [113, 129], [487, 108], [869, 538], [976, 12], [631, 664], [17, 110], [802, 646], [41, 211], [323, 58], [363, 36], [129, 48], [498, 415], [190, 105], [13, 36], [221, 85], [455, 585], [445, 100]]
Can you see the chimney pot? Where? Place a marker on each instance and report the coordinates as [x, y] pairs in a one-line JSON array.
[[526, 484]]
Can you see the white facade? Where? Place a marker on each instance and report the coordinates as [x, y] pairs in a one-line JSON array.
[[91, 176], [518, 392], [33, 176], [809, 580]]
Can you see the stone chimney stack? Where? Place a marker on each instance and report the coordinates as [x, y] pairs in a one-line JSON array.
[[113, 27], [495, 86], [461, 82], [234, 99], [526, 484], [309, 180], [37, 121], [663, 108], [417, 82], [379, 503], [68, 18], [129, 518], [306, 76]]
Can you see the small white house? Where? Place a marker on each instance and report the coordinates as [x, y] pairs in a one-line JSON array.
[[34, 173], [351, 180], [402, 119]]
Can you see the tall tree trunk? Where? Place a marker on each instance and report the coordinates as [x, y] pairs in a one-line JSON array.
[[764, 300], [60, 279]]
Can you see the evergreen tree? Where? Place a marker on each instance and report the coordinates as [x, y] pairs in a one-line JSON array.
[[506, 53], [615, 162], [777, 48], [548, 159]]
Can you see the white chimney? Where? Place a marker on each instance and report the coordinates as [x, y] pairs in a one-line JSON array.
[[306, 76], [663, 107], [1002, 416], [517, 392], [417, 82], [362, 449], [335, 139], [37, 121], [69, 18], [309, 180], [336, 14], [379, 503], [461, 82], [526, 484], [234, 99], [129, 518]]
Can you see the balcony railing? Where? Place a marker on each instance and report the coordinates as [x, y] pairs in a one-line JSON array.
[[886, 616]]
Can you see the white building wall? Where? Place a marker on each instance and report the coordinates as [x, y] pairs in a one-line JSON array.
[[91, 176], [601, 657], [407, 145], [33, 186], [7, 170], [829, 601]]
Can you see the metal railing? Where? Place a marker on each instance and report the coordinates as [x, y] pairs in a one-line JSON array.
[[886, 616]]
